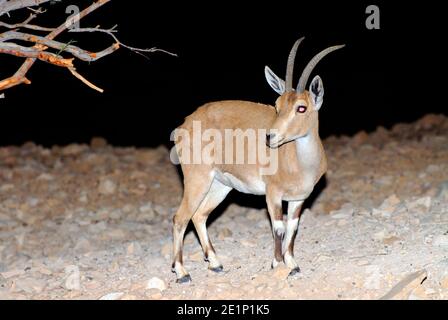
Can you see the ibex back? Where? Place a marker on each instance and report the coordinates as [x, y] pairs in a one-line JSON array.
[[292, 132]]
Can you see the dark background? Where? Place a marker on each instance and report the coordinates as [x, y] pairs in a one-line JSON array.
[[381, 77]]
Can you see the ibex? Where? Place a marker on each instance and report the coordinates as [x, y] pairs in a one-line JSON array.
[[292, 130]]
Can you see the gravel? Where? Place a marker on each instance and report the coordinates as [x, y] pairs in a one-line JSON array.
[[94, 222]]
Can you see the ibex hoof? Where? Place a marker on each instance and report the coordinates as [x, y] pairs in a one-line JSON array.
[[184, 279], [274, 263], [217, 269], [294, 271]]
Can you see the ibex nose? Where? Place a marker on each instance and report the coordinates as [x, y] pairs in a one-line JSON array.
[[269, 136]]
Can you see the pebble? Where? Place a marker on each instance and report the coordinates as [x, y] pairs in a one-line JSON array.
[[224, 233], [112, 296], [73, 149], [134, 248], [440, 240], [248, 243], [156, 283], [12, 273], [73, 279], [107, 187], [359, 138], [29, 285], [83, 245], [373, 280], [98, 142], [344, 212], [421, 204], [57, 193]]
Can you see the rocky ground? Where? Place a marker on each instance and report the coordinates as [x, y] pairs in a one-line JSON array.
[[94, 222]]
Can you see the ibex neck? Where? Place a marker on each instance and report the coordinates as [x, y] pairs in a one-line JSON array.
[[309, 149]]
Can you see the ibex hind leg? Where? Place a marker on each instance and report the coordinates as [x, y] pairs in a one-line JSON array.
[[194, 194], [214, 197]]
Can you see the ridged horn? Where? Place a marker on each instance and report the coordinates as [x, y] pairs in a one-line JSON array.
[[290, 65], [310, 66]]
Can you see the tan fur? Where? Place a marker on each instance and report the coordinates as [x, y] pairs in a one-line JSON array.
[[205, 186]]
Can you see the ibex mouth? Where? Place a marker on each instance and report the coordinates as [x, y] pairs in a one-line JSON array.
[[274, 144]]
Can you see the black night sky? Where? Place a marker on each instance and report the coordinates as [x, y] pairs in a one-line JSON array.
[[381, 77]]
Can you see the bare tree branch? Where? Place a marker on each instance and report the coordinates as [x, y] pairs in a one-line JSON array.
[[111, 32], [20, 51], [11, 5], [25, 24], [42, 44], [20, 76], [75, 51], [87, 82]]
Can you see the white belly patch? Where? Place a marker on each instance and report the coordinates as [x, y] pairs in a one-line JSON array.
[[257, 187]]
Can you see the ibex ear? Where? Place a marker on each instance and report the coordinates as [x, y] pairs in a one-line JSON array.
[[316, 91], [275, 82]]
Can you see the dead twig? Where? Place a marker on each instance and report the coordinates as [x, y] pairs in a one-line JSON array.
[[84, 80], [62, 47], [20, 76], [113, 30], [25, 24], [11, 5], [42, 44]]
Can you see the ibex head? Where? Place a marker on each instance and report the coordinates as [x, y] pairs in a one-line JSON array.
[[296, 110]]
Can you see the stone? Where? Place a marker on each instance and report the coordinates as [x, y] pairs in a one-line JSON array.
[[433, 168], [440, 240], [83, 245], [156, 283], [380, 235], [429, 121], [73, 149], [442, 192], [344, 212], [112, 296], [134, 248], [114, 234], [321, 258], [30, 285], [373, 280], [107, 186], [98, 142], [12, 273], [248, 243], [73, 279], [359, 138], [224, 233], [388, 206], [27, 217], [390, 240], [419, 205]]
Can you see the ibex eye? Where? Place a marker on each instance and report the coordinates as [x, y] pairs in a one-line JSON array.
[[301, 109]]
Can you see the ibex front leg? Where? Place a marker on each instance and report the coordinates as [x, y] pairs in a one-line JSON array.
[[274, 203], [294, 208]]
